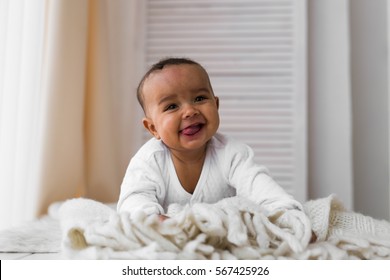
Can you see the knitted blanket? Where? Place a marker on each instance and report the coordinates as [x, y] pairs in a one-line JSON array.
[[234, 228]]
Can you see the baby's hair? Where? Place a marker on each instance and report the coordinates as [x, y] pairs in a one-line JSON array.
[[159, 66]]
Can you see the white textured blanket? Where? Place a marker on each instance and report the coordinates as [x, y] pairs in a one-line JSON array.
[[231, 229]]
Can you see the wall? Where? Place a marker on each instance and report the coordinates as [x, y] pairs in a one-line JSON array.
[[330, 166], [349, 103], [369, 65]]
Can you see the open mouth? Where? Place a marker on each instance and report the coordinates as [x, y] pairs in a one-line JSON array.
[[192, 129]]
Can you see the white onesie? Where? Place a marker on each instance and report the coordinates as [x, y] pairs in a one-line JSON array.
[[151, 183]]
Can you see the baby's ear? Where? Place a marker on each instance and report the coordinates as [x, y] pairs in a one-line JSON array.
[[149, 125], [217, 101]]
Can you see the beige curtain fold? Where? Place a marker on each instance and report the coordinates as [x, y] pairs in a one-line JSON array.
[[102, 156], [81, 133]]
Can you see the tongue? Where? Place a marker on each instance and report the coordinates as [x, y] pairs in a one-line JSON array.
[[191, 130]]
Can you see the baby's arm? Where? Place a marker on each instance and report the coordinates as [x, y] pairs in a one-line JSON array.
[[140, 189], [253, 181]]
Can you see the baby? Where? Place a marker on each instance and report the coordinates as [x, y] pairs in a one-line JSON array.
[[188, 161]]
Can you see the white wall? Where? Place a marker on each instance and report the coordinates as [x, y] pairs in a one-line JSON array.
[[349, 103], [330, 165], [370, 87]]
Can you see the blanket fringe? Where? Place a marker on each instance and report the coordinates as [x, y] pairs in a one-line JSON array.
[[234, 228]]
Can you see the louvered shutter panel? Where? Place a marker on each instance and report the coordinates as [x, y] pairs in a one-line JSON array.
[[254, 52]]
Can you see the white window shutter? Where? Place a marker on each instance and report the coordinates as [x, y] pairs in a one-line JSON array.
[[255, 54]]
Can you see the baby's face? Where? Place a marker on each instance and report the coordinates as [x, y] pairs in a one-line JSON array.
[[180, 107]]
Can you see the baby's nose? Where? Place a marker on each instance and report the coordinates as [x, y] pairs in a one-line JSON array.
[[190, 111]]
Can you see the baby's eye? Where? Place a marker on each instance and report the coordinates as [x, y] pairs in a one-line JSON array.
[[200, 98], [170, 107]]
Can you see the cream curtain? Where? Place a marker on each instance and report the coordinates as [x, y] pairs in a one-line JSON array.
[[75, 138], [78, 106]]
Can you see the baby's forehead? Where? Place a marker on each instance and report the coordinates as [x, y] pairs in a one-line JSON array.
[[177, 74], [173, 79], [183, 69]]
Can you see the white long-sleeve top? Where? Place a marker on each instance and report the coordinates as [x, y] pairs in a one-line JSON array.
[[151, 183]]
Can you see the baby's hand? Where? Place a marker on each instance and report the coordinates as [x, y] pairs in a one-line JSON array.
[[162, 218]]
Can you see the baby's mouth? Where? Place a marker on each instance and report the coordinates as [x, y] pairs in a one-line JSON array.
[[192, 129]]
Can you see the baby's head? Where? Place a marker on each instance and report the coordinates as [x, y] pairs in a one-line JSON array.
[[159, 66], [179, 104]]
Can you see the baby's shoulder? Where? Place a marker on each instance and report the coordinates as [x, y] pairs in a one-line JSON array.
[[228, 145], [151, 150]]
